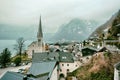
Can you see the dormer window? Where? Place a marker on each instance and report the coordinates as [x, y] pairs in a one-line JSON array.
[[51, 58], [64, 57]]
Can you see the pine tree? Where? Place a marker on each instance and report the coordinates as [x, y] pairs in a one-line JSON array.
[[5, 57]]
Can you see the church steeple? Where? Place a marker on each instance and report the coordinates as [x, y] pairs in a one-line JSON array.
[[39, 33]]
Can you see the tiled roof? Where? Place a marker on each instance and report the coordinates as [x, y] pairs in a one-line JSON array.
[[41, 68]]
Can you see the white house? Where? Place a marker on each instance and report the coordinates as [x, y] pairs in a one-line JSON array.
[[67, 63]]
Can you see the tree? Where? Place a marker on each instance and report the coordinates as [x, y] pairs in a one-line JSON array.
[[17, 61], [5, 57], [19, 46]]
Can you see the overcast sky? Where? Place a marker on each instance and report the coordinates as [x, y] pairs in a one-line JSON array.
[[55, 12]]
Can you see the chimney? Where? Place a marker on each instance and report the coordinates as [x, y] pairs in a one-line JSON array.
[[25, 78]]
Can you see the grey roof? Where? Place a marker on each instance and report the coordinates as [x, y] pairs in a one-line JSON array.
[[14, 76], [52, 56], [45, 56], [65, 57], [43, 77], [41, 68]]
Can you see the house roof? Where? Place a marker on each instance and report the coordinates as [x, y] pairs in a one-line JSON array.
[[103, 49], [52, 56], [89, 51], [40, 68], [14, 76], [92, 48], [45, 56]]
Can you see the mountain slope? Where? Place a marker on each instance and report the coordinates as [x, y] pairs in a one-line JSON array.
[[115, 28], [101, 67], [76, 29], [106, 25]]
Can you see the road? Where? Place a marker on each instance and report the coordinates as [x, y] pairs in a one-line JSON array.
[[14, 69]]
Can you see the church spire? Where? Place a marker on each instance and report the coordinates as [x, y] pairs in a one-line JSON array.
[[39, 33]]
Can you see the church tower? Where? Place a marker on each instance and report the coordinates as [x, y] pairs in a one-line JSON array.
[[39, 33], [37, 46]]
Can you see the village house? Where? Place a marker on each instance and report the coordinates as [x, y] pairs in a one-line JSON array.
[[88, 51], [66, 62]]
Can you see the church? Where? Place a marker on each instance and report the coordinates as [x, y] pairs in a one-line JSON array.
[[39, 45]]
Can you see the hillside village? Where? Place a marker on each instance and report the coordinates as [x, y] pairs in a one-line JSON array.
[[64, 60]]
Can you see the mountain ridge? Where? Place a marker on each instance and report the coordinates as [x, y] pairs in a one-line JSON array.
[[106, 25], [76, 29]]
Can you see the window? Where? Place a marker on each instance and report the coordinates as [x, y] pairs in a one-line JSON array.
[[67, 70], [62, 64], [76, 65], [60, 70], [67, 64], [64, 57]]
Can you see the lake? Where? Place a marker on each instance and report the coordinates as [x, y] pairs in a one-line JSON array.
[[10, 45]]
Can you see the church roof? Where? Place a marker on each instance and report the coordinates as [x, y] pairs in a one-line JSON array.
[[40, 34]]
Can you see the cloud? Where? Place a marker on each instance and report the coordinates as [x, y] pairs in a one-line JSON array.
[[54, 12]]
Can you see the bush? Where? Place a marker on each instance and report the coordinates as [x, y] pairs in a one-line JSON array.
[[17, 61]]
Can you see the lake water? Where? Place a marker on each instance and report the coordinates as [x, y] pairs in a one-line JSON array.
[[10, 45]]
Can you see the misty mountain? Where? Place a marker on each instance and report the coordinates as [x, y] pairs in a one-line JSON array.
[[14, 32], [75, 30]]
